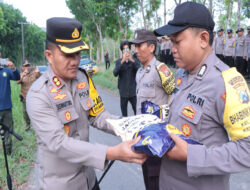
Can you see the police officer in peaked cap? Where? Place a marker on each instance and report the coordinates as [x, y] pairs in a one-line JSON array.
[[62, 104], [210, 105]]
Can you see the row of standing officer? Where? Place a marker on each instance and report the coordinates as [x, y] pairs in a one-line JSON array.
[[233, 50]]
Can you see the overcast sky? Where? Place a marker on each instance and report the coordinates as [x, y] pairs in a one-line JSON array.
[[38, 11]]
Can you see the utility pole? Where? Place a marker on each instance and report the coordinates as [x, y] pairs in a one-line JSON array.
[[23, 51]]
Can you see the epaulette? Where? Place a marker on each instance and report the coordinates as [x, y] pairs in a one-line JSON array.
[[39, 83]]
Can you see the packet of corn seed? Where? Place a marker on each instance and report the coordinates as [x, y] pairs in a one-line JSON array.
[[160, 111], [155, 139]]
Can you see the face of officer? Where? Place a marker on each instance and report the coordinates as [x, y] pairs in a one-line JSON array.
[[63, 65], [190, 48], [240, 33], [144, 52], [230, 35]]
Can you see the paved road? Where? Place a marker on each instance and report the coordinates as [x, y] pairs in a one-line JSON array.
[[128, 176]]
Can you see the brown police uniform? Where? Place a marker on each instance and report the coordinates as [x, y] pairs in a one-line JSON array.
[[61, 113]]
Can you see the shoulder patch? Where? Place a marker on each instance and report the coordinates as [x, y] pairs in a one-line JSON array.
[[167, 78]]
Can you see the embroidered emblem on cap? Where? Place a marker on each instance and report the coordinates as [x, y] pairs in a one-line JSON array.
[[67, 129], [189, 112], [223, 96], [57, 81], [67, 116], [202, 70], [81, 85], [186, 129], [178, 81], [75, 34]]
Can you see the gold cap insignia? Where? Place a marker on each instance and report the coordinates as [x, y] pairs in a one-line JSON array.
[[75, 34]]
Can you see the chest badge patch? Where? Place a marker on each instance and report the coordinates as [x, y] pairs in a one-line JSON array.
[[81, 85], [178, 82], [189, 112], [67, 129], [88, 104], [67, 116], [186, 129]]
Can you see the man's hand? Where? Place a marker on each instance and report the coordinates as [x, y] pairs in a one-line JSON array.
[[11, 65], [124, 152], [179, 151], [124, 57], [36, 69]]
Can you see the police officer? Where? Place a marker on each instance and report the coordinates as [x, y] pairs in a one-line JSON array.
[[239, 52], [219, 45], [247, 50], [210, 104], [229, 48], [155, 82], [61, 104]]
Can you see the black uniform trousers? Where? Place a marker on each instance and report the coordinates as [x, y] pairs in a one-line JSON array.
[[124, 104], [248, 67], [151, 171], [229, 60], [241, 65]]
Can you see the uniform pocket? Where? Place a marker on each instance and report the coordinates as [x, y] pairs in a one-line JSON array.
[[147, 90]]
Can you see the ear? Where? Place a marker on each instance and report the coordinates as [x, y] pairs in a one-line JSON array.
[[49, 55], [204, 39], [152, 48]]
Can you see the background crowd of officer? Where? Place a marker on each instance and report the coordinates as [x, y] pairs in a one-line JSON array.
[[234, 50]]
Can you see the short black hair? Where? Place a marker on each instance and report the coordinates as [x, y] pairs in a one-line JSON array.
[[123, 43], [210, 32], [152, 42], [49, 45]]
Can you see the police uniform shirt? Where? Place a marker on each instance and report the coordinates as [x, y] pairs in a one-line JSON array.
[[229, 47], [219, 47], [247, 46], [149, 86], [239, 46], [197, 109], [60, 116]]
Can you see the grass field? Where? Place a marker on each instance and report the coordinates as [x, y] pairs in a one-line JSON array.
[[23, 154]]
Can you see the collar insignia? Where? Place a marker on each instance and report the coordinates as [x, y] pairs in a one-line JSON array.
[[81, 85], [56, 81], [202, 70]]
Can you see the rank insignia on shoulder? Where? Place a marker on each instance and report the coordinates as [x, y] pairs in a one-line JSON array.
[[189, 112], [81, 85], [67, 115], [178, 81], [186, 129], [202, 70], [56, 81], [67, 129]]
